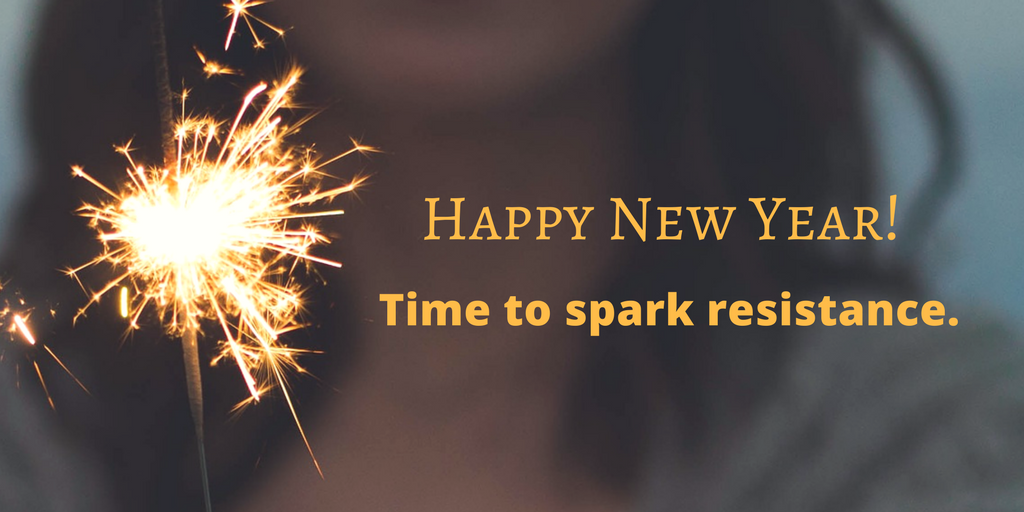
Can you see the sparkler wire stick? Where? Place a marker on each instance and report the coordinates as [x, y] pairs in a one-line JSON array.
[[189, 338], [163, 83], [190, 351]]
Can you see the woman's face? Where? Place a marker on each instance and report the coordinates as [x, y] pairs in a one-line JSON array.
[[453, 54]]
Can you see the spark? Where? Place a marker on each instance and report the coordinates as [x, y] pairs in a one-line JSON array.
[[42, 381], [212, 68], [216, 237], [14, 318], [239, 10], [19, 323], [124, 302]]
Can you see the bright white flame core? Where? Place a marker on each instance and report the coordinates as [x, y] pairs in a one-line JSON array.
[[178, 234]]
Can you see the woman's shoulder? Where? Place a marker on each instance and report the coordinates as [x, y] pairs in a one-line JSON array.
[[888, 418], [40, 468]]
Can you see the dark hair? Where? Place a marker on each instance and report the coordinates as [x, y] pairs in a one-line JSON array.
[[733, 99]]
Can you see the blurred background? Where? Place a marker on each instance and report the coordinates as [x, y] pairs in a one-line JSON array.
[[974, 254]]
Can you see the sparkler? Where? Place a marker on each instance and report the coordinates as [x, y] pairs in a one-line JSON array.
[[215, 234]]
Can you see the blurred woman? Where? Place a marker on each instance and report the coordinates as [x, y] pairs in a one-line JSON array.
[[531, 103]]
